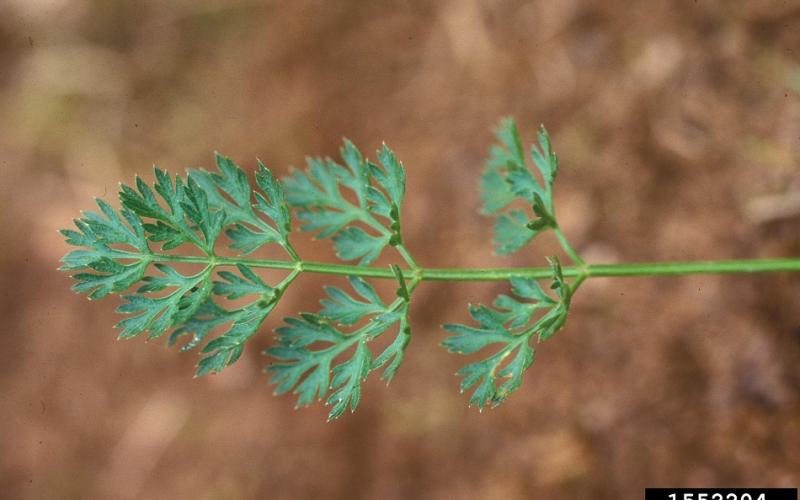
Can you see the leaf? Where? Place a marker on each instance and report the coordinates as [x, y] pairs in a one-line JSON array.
[[506, 178], [273, 205], [115, 278], [226, 349], [509, 325], [346, 310], [347, 379], [353, 243], [197, 211], [358, 182], [96, 233], [113, 255], [496, 194], [174, 228], [393, 355], [207, 317], [236, 287], [247, 240], [309, 347], [157, 314], [229, 193], [392, 177], [511, 232], [358, 204], [469, 340], [378, 189]]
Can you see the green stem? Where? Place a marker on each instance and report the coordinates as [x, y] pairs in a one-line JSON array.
[[404, 253], [568, 249], [291, 251], [372, 222], [288, 280], [501, 274]]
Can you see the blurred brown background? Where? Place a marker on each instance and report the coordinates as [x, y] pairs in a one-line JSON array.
[[678, 127]]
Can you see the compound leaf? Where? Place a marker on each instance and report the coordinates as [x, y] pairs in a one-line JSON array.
[[113, 256], [509, 325], [354, 243], [309, 347], [511, 232], [228, 192], [378, 189], [506, 177], [227, 348], [347, 310], [347, 379]]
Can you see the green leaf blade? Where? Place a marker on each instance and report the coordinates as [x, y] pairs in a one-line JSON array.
[[316, 195], [507, 329], [507, 178], [309, 347], [511, 232], [354, 243]]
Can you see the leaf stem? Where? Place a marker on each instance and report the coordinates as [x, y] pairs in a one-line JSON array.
[[568, 249], [406, 255], [288, 280], [291, 251], [501, 274]]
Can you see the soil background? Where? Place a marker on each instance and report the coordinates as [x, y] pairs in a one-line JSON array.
[[678, 128]]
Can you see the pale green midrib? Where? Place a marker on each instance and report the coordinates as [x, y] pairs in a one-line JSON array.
[[500, 274]]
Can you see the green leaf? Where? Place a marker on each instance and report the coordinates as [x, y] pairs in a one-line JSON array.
[[358, 181], [273, 205], [157, 314], [115, 277], [347, 379], [175, 227], [511, 232], [544, 158], [197, 211], [392, 177], [353, 243], [207, 317], [232, 181], [294, 362], [393, 355], [496, 194], [226, 349], [309, 347], [113, 256], [377, 189], [96, 233], [235, 286], [469, 340], [506, 178], [325, 356], [508, 328], [246, 240], [346, 310], [228, 193]]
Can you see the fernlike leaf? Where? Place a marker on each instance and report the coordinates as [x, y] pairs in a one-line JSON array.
[[114, 256], [509, 325], [344, 309], [229, 193], [227, 348], [309, 347], [218, 303], [360, 228], [511, 232], [507, 177]]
